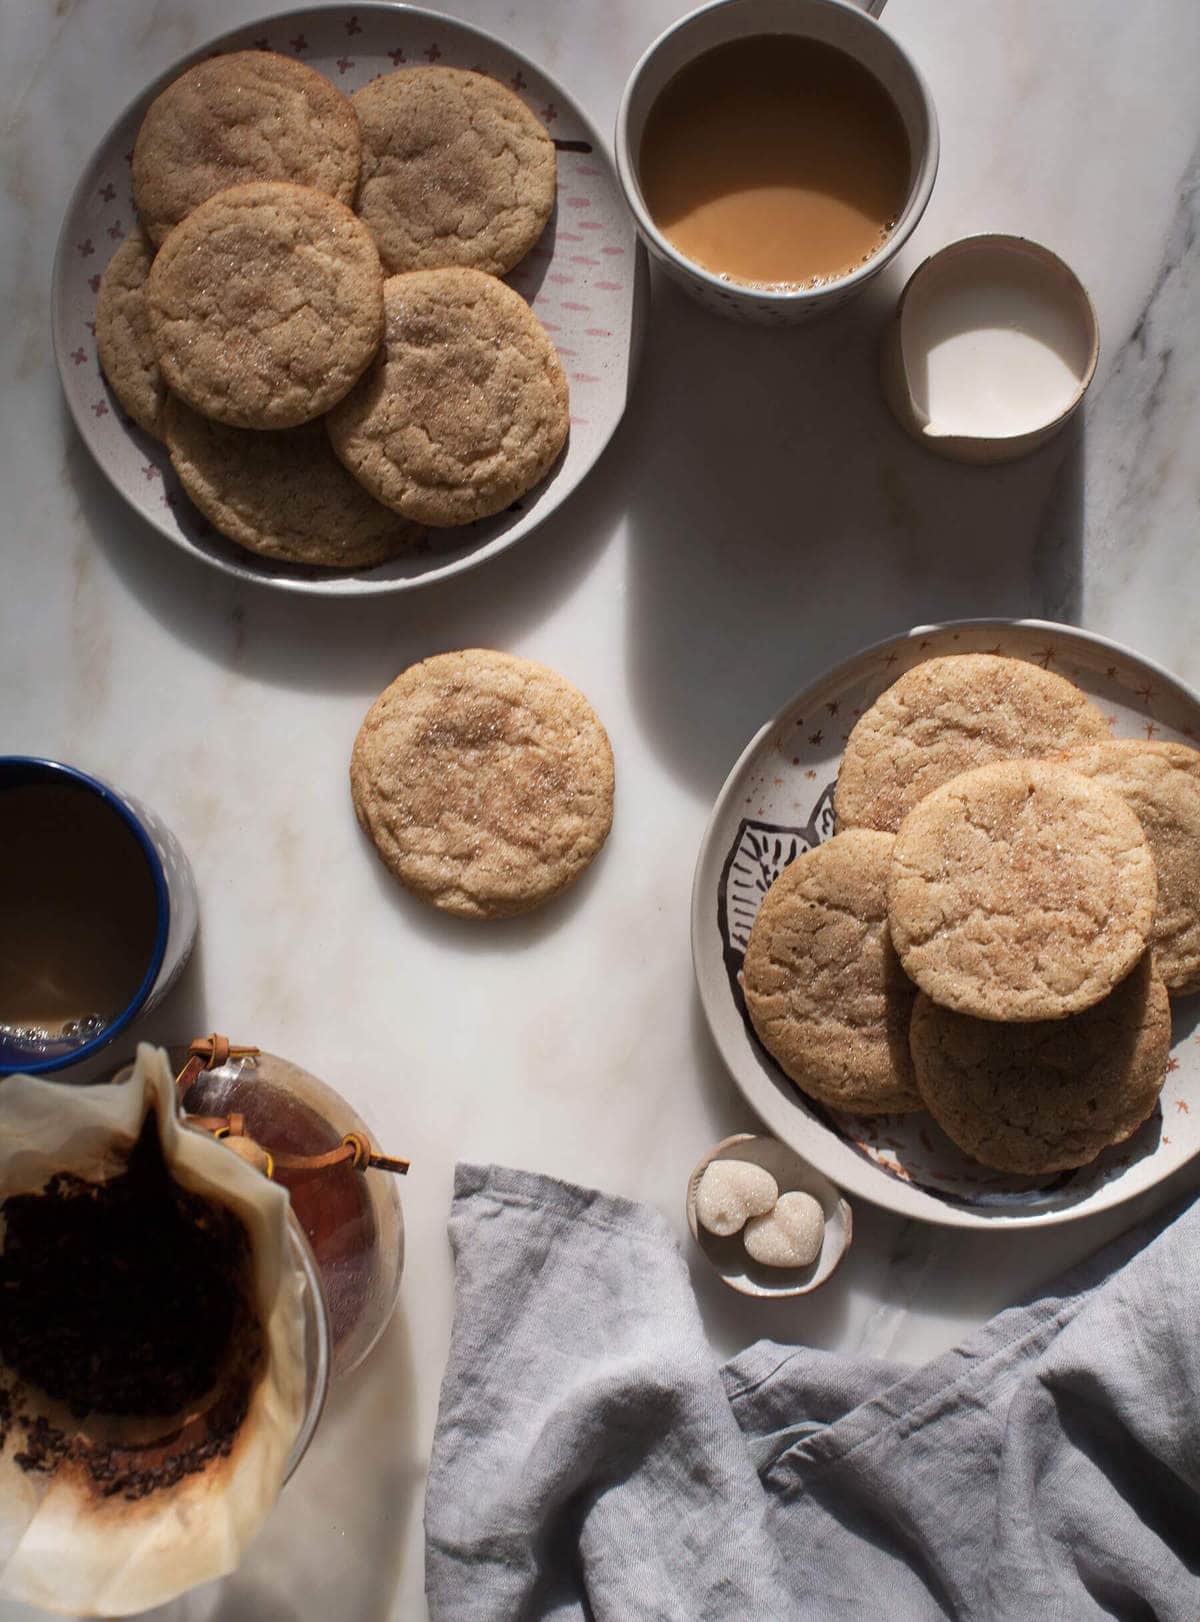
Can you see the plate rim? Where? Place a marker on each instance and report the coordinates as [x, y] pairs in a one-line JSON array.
[[363, 586], [873, 1185]]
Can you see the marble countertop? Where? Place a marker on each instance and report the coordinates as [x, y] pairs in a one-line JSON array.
[[757, 518]]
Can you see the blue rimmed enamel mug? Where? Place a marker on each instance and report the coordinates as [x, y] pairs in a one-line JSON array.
[[38, 1052]]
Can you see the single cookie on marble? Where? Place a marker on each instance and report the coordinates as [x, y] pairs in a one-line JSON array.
[[465, 407], [282, 493], [823, 985], [266, 305], [1161, 781], [1020, 891], [946, 716], [1042, 1097], [123, 342], [456, 170], [484, 781], [250, 115]]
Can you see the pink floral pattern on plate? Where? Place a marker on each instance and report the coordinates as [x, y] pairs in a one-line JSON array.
[[593, 306]]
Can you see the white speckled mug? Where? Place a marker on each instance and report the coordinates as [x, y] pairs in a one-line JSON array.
[[839, 23]]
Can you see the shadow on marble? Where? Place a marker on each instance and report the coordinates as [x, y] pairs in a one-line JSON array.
[[346, 644], [779, 520], [183, 1013], [733, 1321], [481, 936], [723, 1100]]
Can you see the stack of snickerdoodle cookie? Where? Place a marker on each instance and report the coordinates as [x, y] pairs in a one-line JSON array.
[[310, 316], [995, 929]]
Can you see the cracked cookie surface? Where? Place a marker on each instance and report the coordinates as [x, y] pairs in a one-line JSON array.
[[1046, 1096], [484, 781], [1161, 781], [823, 985], [456, 170], [281, 493], [465, 407], [946, 716], [1020, 891], [266, 305], [250, 115], [123, 342]]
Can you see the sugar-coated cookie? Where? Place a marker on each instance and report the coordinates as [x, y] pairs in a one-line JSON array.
[[789, 1235], [823, 986], [1020, 891], [282, 493], [1161, 781], [1042, 1097], [248, 115], [123, 342], [730, 1192], [464, 409], [456, 170], [485, 782], [266, 305], [946, 716]]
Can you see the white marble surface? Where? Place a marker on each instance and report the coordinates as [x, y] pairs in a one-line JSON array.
[[757, 517]]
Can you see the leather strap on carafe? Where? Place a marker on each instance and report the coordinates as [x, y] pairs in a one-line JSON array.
[[356, 1150]]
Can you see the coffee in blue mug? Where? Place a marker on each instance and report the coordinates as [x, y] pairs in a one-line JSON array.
[[97, 913]]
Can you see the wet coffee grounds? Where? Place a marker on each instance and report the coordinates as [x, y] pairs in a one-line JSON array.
[[45, 1445], [120, 1298], [133, 1472]]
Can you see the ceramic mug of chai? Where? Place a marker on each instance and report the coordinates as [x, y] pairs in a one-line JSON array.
[[99, 908], [776, 154]]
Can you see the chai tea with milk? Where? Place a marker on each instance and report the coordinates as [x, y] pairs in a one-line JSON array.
[[775, 161]]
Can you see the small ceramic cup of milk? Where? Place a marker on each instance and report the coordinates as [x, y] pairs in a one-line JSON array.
[[99, 911], [991, 350], [776, 154]]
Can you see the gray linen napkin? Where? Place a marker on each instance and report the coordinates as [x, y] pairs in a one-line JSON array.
[[591, 1461]]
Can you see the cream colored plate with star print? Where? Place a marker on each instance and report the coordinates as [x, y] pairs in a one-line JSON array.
[[778, 802], [586, 280]]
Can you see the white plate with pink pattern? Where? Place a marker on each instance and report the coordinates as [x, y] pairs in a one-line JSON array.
[[778, 802], [586, 280]]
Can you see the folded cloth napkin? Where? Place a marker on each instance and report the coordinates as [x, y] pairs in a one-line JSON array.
[[592, 1462]]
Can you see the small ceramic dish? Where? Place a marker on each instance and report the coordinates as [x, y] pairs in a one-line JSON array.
[[794, 1175], [991, 350]]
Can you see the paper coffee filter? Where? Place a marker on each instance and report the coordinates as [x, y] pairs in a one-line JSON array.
[[63, 1546]]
